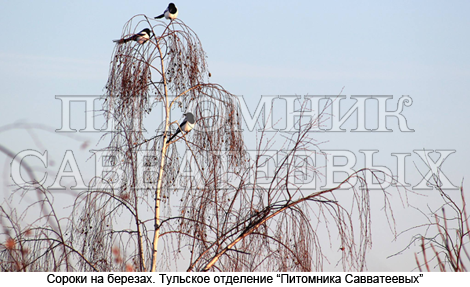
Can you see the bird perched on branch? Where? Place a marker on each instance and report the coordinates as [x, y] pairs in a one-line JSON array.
[[171, 12], [141, 37], [186, 126]]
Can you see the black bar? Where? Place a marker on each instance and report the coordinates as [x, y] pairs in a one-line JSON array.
[[241, 279]]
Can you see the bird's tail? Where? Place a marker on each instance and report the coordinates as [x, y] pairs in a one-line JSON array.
[[160, 16], [173, 136], [122, 41]]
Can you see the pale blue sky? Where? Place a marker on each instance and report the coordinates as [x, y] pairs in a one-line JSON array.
[[254, 48]]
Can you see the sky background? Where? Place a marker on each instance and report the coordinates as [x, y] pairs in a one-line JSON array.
[[254, 48]]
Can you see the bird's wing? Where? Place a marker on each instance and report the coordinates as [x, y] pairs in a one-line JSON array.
[[183, 125]]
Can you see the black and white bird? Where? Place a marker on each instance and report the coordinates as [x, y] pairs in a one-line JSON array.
[[141, 37], [186, 126], [171, 12]]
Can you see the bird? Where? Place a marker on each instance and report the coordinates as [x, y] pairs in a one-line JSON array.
[[141, 37], [171, 12], [186, 126]]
